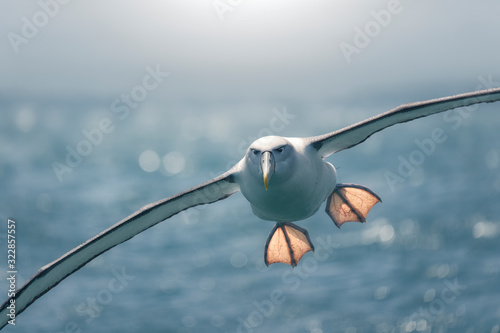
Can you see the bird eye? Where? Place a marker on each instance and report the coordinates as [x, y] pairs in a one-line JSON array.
[[255, 151], [280, 149]]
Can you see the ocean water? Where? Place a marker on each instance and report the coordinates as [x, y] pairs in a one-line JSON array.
[[426, 261]]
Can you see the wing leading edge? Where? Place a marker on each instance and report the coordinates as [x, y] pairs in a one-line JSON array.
[[50, 275], [350, 136]]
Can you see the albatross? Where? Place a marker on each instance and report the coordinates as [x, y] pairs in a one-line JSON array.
[[285, 180]]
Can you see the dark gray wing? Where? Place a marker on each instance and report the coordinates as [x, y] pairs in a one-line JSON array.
[[50, 275], [350, 136]]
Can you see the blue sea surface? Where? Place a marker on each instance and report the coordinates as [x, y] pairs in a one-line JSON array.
[[427, 260]]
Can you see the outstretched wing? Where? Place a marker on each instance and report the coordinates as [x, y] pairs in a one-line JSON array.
[[50, 275], [350, 136]]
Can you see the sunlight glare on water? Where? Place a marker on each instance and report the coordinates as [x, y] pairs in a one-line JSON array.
[[149, 161]]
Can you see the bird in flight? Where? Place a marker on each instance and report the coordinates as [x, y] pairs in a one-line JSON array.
[[285, 180]]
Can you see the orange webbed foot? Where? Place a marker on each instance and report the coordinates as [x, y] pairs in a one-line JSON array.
[[350, 203], [287, 243]]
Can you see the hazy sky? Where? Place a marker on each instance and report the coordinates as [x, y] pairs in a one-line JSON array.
[[248, 50]]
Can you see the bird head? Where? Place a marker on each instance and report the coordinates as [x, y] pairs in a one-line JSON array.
[[270, 156]]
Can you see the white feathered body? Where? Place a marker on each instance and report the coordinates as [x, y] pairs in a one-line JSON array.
[[293, 194]]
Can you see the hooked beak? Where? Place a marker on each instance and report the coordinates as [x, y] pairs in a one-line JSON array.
[[268, 166]]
